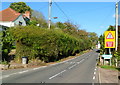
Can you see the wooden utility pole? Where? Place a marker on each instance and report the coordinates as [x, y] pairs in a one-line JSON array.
[[116, 26], [49, 14]]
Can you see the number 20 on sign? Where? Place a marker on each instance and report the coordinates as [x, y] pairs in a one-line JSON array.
[[109, 39]]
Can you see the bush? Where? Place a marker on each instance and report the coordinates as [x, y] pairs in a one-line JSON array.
[[117, 55], [48, 45]]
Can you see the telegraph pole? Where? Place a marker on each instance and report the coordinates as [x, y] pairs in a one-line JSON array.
[[116, 8], [49, 14], [116, 26]]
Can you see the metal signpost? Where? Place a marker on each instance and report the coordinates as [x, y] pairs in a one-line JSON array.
[[107, 57]]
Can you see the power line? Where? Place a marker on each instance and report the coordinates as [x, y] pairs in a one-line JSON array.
[[61, 10]]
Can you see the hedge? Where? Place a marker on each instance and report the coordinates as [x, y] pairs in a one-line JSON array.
[[48, 45]]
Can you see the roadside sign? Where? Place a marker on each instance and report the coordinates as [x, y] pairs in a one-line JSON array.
[[109, 39], [107, 56], [110, 36], [109, 44]]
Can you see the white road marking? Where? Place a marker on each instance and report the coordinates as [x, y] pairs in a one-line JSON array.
[[82, 60], [35, 68], [95, 69], [42, 67], [23, 71], [93, 77], [74, 62], [4, 76], [94, 73], [20, 72], [57, 74], [72, 66], [13, 73]]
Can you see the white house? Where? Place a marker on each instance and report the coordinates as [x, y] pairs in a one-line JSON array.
[[10, 18]]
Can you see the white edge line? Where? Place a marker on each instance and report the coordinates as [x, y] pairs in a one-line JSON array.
[[23, 71], [4, 76], [93, 77], [35, 68], [94, 73]]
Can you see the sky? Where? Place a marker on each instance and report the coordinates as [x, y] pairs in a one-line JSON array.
[[90, 16]]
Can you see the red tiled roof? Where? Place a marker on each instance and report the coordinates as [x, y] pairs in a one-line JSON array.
[[8, 15]]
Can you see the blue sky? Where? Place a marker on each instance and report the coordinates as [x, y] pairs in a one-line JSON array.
[[90, 16]]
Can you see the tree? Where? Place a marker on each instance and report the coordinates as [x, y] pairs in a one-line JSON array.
[[93, 37], [38, 18], [7, 43], [101, 39], [60, 25], [111, 28], [20, 7]]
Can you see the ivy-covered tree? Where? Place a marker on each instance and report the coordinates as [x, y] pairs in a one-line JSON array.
[[7, 43]]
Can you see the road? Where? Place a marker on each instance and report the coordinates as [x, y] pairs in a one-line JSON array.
[[81, 69]]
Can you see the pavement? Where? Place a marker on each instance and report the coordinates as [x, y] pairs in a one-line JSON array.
[[81, 69], [108, 75]]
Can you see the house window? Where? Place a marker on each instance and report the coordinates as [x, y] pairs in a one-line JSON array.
[[20, 23]]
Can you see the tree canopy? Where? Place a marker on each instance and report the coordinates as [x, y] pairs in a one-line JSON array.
[[20, 7]]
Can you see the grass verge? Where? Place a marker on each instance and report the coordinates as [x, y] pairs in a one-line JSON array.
[[110, 67]]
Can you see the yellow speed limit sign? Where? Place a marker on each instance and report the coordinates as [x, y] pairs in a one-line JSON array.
[[109, 39]]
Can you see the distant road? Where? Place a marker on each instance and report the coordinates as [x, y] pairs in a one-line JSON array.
[[79, 70]]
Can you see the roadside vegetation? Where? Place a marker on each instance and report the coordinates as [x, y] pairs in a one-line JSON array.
[[47, 45], [36, 42], [115, 54], [110, 67]]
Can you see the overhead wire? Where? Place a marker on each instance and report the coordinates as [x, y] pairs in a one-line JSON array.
[[61, 10], [95, 9]]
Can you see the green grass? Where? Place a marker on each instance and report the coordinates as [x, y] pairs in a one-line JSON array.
[[4, 62], [109, 67]]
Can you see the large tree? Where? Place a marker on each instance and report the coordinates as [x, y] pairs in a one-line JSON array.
[[111, 28], [38, 18], [20, 7], [93, 37]]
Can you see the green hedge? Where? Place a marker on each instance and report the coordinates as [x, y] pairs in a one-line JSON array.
[[48, 45]]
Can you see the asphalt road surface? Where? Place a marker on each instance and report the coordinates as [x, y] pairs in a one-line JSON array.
[[82, 69]]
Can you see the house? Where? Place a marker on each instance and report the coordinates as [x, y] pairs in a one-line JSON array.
[[10, 18], [26, 16]]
